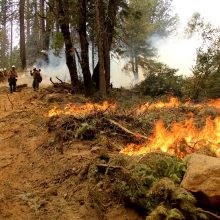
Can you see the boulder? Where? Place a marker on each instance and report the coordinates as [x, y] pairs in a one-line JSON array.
[[203, 179]]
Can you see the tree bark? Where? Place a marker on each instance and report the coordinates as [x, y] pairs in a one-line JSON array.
[[42, 22], [64, 25], [136, 74], [49, 24], [3, 40], [28, 19], [82, 21], [109, 24], [22, 34], [100, 41], [108, 38]]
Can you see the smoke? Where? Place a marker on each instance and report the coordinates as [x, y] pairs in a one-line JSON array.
[[56, 67], [53, 66], [177, 52]]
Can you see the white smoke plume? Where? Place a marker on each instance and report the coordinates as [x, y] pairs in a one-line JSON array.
[[56, 67]]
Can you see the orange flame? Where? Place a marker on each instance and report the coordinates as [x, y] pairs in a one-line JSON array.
[[175, 103], [215, 103], [82, 110], [172, 103], [181, 139]]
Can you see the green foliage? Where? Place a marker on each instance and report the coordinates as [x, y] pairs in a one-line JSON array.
[[174, 214], [154, 18], [85, 131], [161, 80], [150, 17], [4, 48], [205, 82], [16, 57], [57, 42], [150, 184]]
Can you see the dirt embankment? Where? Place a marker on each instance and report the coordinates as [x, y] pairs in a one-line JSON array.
[[37, 181]]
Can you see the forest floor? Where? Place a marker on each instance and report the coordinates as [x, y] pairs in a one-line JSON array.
[[35, 181]]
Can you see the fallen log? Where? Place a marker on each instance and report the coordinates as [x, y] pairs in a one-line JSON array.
[[62, 85], [125, 130]]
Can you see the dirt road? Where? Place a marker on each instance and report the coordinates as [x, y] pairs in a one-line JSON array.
[[29, 173]]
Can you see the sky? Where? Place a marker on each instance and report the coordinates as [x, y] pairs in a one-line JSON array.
[[178, 52]]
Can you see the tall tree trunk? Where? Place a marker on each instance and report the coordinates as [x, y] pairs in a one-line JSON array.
[[42, 21], [28, 19], [100, 41], [64, 25], [36, 27], [132, 65], [82, 16], [136, 74], [49, 23], [109, 25], [3, 39], [11, 40], [22, 34]]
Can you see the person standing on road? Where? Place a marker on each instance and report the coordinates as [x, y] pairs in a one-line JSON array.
[[37, 78], [12, 79]]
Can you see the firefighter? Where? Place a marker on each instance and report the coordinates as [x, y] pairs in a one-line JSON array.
[[37, 78], [5, 73], [1, 76], [12, 79]]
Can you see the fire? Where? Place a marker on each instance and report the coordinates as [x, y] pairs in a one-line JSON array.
[[82, 110], [172, 103], [181, 139], [175, 103], [215, 103]]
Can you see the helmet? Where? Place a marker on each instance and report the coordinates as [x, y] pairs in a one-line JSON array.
[[5, 69], [13, 66]]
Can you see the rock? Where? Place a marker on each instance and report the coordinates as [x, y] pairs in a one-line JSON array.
[[203, 179]]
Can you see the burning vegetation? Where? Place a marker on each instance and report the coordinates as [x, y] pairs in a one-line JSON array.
[[178, 138], [151, 142], [174, 102], [82, 110]]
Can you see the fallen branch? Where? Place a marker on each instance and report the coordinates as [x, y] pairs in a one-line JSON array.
[[108, 167], [116, 124], [62, 85], [59, 79], [52, 81], [208, 213]]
